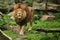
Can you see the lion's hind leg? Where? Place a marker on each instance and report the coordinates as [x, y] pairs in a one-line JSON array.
[[30, 28]]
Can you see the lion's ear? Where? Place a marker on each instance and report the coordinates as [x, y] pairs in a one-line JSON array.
[[23, 6], [15, 6]]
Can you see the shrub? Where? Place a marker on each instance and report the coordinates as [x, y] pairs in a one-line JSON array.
[[2, 24]]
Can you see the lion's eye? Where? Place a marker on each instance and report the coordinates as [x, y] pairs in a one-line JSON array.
[[17, 14], [22, 14]]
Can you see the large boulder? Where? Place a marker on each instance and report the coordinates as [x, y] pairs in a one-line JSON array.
[[42, 6], [51, 6], [39, 6], [48, 17], [6, 4], [15, 28]]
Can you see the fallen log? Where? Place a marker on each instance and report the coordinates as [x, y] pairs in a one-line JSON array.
[[48, 30], [3, 36]]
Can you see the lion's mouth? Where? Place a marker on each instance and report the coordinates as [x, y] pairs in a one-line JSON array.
[[19, 17]]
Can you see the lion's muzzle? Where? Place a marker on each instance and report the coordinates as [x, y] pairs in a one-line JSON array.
[[19, 15]]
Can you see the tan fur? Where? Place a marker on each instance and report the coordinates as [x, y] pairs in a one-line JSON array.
[[27, 16], [21, 11]]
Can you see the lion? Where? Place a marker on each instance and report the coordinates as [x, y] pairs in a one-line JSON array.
[[23, 14]]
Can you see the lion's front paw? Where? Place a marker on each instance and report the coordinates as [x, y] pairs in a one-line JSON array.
[[29, 29], [21, 33]]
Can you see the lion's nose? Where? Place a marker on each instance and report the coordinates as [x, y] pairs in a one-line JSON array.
[[19, 16]]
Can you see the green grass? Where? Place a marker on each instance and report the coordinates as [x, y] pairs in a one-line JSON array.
[[44, 24], [47, 24], [10, 34], [32, 35], [8, 20]]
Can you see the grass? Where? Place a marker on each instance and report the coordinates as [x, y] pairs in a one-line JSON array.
[[10, 34], [8, 20], [32, 35], [40, 36], [47, 24]]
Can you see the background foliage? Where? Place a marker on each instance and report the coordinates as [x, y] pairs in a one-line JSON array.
[[33, 35]]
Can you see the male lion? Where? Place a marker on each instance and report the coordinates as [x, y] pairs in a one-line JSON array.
[[23, 14]]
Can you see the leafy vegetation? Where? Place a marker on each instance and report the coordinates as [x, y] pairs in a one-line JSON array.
[[10, 34], [2, 23], [29, 2], [8, 20], [33, 35]]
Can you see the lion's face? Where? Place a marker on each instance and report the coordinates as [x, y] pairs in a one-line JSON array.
[[20, 14]]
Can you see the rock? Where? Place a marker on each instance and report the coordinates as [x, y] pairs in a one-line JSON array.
[[39, 6], [20, 39], [6, 4], [15, 29], [42, 6], [53, 6], [47, 17]]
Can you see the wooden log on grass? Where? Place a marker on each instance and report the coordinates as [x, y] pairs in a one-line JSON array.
[[3, 36], [48, 30]]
